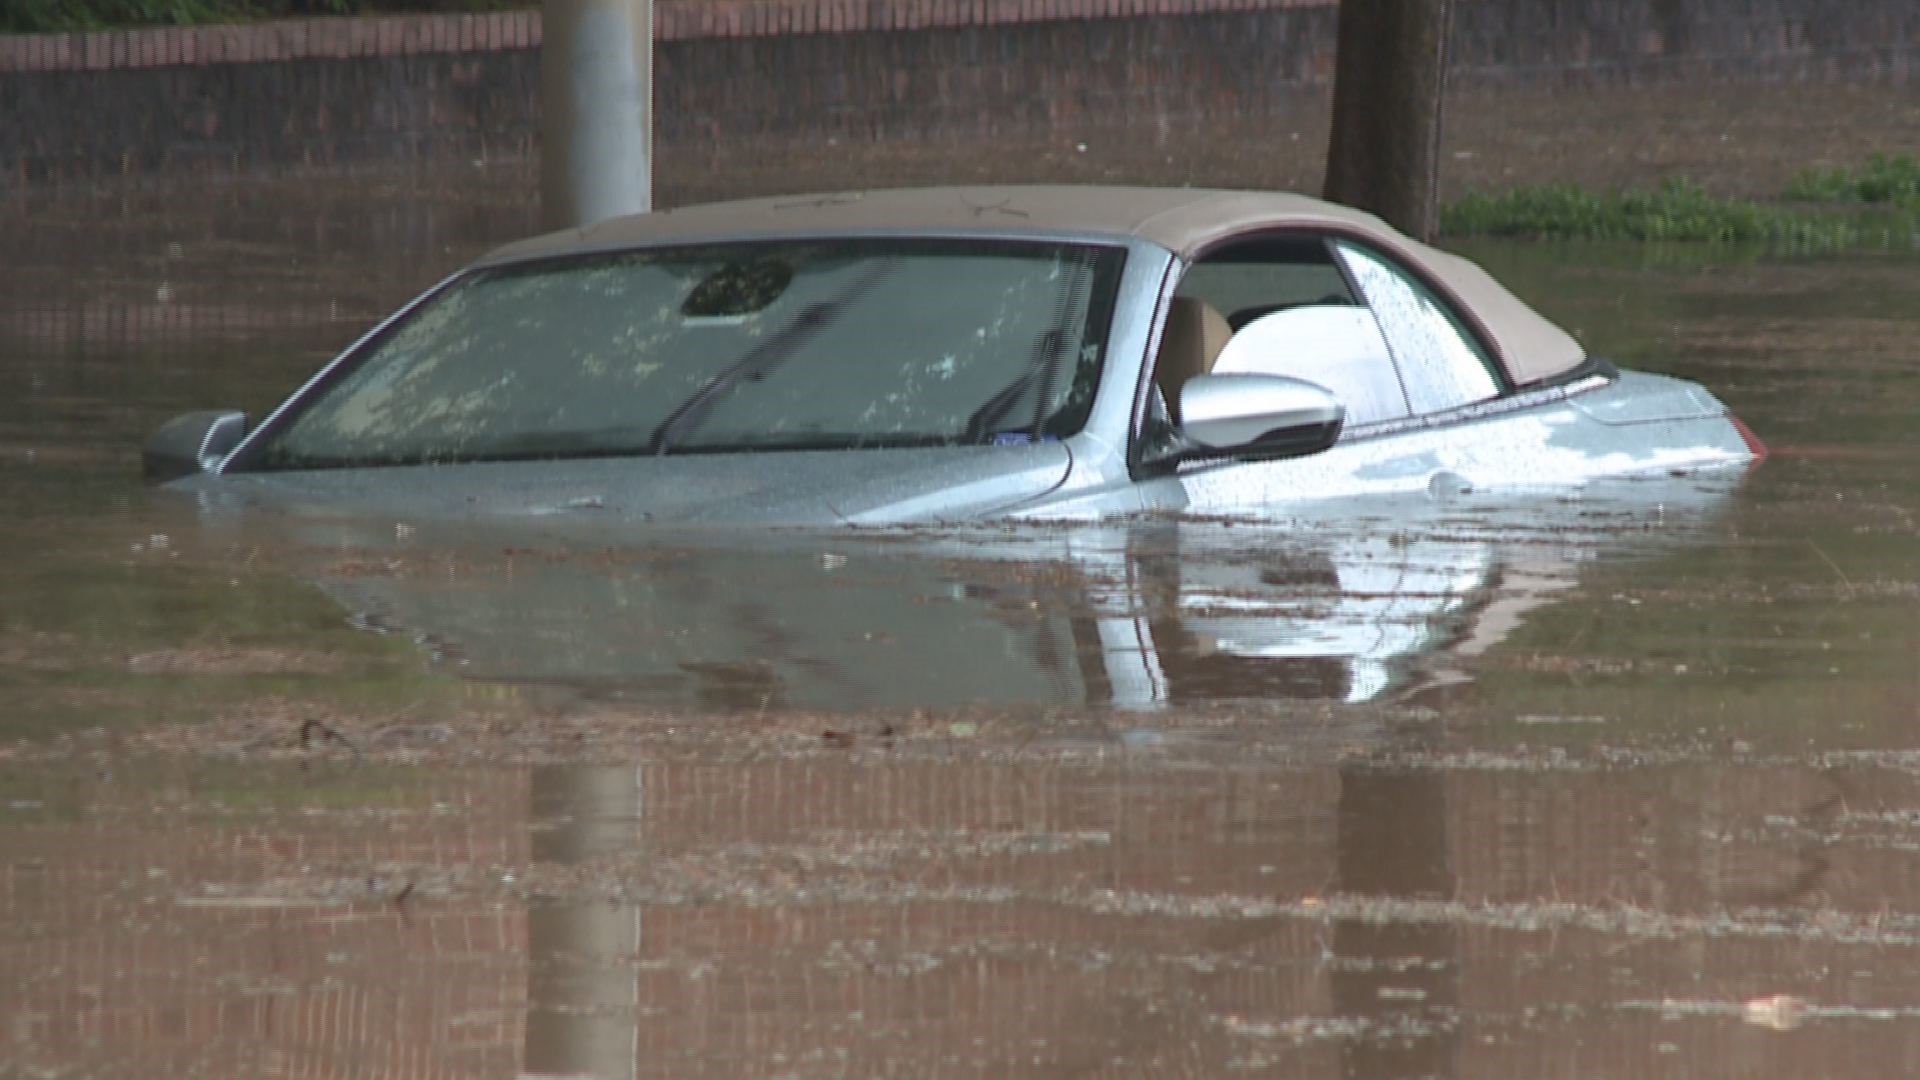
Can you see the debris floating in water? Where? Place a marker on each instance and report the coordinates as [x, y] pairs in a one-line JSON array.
[[1781, 1012]]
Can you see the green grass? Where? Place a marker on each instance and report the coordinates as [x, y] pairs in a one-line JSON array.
[[1680, 212], [1889, 181], [1676, 211]]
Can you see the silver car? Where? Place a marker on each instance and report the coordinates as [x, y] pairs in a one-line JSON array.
[[947, 353]]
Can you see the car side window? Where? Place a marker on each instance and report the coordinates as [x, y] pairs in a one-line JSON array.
[[1251, 278], [1442, 365], [1292, 312]]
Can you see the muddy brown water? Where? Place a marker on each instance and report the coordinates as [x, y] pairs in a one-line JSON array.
[[1622, 785]]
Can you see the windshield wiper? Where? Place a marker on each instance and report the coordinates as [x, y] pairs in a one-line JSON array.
[[762, 359], [985, 420], [1041, 368]]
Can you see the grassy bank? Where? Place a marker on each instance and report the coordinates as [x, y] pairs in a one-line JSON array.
[[1883, 181], [1877, 204], [56, 16]]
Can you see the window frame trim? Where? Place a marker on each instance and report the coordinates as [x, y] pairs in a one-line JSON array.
[[1475, 330]]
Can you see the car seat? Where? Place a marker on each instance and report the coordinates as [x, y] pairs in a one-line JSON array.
[[1194, 335]]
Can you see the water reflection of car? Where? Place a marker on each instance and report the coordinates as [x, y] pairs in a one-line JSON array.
[[1344, 619], [898, 356], [1131, 615]]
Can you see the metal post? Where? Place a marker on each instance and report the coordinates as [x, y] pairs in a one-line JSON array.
[[596, 100]]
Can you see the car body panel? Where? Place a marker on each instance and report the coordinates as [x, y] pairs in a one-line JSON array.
[[1556, 441], [1550, 444], [801, 488]]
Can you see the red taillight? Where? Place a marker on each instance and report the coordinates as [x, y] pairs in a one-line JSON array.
[[1754, 444]]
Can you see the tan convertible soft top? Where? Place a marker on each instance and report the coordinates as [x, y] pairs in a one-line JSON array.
[[1185, 221]]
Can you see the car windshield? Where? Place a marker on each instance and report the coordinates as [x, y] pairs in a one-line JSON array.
[[790, 345]]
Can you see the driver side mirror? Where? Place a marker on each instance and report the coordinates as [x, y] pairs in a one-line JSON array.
[[195, 442], [1259, 416]]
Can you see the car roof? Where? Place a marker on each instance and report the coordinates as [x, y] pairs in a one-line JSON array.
[[1185, 221], [1181, 220]]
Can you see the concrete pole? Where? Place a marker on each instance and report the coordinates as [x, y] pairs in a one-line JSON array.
[[596, 103]]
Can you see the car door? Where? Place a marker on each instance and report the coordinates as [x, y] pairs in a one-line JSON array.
[[1422, 390]]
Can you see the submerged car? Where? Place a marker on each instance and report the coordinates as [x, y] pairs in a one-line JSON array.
[[948, 353]]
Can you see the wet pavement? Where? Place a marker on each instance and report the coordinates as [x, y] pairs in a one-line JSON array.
[[1625, 783]]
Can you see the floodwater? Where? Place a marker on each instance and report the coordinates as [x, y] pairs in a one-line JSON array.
[[1618, 784]]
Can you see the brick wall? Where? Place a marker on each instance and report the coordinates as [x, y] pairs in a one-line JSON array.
[[731, 74]]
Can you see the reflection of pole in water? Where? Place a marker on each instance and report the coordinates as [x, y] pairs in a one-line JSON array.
[[583, 992], [1402, 977]]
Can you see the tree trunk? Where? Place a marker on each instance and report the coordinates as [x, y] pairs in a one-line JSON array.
[[1390, 75]]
